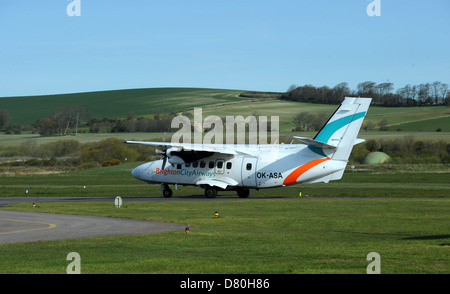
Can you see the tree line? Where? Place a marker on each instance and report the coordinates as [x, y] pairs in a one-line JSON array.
[[72, 120], [383, 94]]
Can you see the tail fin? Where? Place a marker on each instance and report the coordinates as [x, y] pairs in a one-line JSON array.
[[343, 127], [338, 135], [336, 138]]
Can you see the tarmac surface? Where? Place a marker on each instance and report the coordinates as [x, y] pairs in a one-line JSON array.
[[19, 227]]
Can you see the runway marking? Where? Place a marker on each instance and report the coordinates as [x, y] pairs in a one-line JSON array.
[[50, 226]]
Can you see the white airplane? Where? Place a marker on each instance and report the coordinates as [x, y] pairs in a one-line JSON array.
[[240, 168]]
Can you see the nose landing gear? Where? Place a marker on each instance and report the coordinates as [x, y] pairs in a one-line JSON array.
[[167, 192]]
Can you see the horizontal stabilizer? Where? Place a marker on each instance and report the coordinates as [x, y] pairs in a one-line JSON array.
[[358, 140], [314, 143]]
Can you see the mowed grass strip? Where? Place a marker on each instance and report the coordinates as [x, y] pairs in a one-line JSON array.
[[252, 236], [417, 182]]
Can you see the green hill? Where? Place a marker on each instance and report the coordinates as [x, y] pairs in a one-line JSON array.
[[27, 109], [119, 103]]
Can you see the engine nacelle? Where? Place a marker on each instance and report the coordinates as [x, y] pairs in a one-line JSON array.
[[175, 160], [172, 150]]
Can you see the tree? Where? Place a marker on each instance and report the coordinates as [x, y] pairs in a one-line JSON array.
[[4, 118], [424, 94], [302, 121], [366, 89], [443, 92], [341, 91], [292, 88], [46, 126], [383, 125]]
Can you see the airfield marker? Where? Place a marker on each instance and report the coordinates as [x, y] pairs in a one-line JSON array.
[[118, 201]]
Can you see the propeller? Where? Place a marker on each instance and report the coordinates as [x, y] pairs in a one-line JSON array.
[[166, 153], [164, 158]]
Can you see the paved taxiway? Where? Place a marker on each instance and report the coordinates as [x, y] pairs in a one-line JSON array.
[[19, 227], [16, 226]]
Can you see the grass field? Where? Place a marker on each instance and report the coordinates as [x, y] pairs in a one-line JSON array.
[[387, 181], [404, 215], [253, 236], [118, 103]]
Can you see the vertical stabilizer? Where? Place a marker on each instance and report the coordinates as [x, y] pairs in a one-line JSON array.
[[342, 128]]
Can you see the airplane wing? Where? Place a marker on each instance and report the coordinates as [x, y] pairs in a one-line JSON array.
[[223, 149]]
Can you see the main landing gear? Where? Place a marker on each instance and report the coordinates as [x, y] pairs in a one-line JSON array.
[[210, 192], [243, 193]]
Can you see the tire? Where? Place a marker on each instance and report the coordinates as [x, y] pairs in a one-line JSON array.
[[210, 192], [243, 193], [167, 193]]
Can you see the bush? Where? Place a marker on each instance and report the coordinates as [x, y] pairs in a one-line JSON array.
[[111, 162], [107, 150]]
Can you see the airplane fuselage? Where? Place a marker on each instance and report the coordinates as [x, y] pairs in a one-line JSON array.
[[267, 168]]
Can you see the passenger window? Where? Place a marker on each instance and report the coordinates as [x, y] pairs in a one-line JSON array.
[[202, 164], [178, 166], [249, 166], [211, 164], [187, 165], [220, 164], [228, 165], [195, 164]]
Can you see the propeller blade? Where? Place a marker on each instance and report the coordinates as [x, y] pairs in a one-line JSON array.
[[164, 162]]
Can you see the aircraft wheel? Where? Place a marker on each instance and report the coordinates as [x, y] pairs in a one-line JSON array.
[[210, 192], [243, 193], [167, 193]]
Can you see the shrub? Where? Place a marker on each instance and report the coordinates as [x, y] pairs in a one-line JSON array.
[[111, 162], [108, 149]]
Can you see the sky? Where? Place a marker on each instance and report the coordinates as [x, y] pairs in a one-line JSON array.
[[245, 45]]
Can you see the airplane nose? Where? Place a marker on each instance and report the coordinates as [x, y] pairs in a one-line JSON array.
[[136, 172]]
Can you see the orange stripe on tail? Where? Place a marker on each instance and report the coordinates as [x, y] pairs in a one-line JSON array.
[[293, 176]]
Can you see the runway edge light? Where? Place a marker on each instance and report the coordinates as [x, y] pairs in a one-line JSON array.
[[118, 201]]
